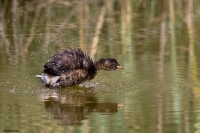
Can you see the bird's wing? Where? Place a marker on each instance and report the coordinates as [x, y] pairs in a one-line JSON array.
[[67, 60]]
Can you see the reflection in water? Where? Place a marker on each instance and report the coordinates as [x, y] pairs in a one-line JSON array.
[[160, 86], [72, 107]]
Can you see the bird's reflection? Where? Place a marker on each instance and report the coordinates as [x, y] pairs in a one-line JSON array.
[[72, 106]]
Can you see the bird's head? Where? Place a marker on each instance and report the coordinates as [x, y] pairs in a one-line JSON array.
[[108, 64]]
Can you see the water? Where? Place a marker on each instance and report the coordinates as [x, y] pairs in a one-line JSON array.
[[158, 91]]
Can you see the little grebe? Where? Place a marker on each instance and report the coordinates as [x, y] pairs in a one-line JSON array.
[[72, 67]]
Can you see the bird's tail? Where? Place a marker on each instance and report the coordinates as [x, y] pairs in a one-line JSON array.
[[39, 76], [43, 77]]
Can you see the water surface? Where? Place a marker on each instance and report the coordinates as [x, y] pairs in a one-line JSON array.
[[158, 91]]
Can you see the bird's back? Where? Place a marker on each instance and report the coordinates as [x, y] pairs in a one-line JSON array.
[[68, 60]]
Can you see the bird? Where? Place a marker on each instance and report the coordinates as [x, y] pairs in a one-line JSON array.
[[72, 67]]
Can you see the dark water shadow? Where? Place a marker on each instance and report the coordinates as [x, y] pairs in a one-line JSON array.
[[72, 105]]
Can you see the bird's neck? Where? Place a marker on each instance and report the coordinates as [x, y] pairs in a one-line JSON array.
[[98, 64]]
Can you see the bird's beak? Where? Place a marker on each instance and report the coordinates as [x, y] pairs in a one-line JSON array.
[[120, 67]]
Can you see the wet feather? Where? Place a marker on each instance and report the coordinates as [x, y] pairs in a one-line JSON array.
[[72, 67]]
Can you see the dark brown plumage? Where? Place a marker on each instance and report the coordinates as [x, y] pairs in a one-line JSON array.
[[72, 67]]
